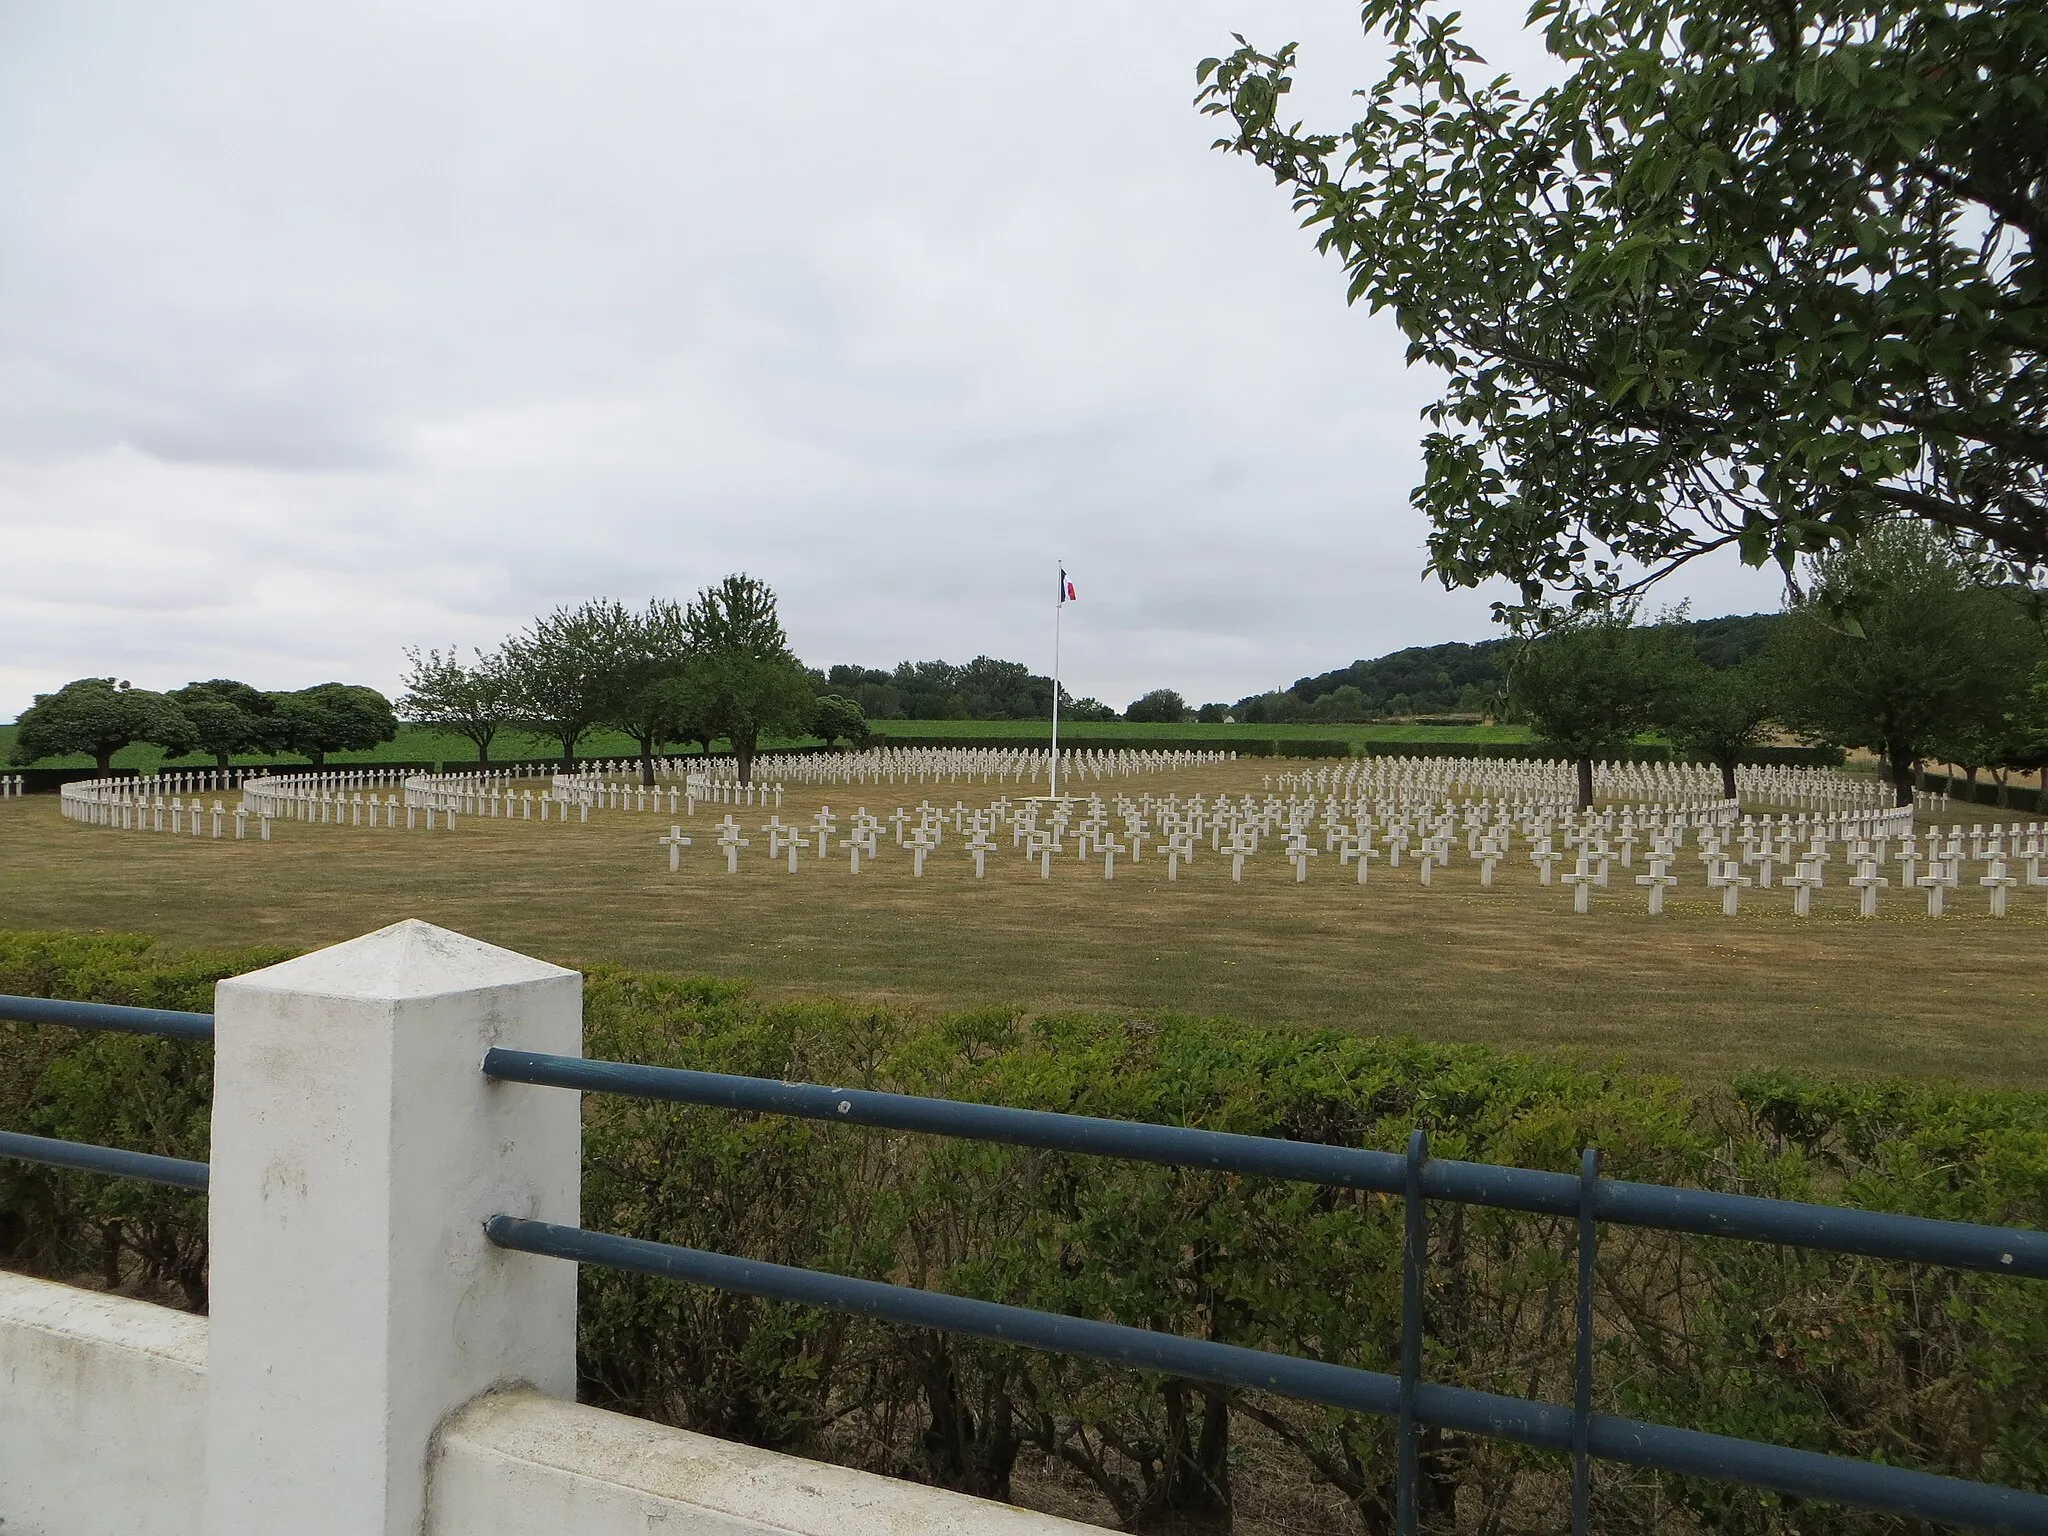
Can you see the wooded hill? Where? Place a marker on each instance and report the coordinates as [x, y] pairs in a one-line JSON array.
[[1440, 679]]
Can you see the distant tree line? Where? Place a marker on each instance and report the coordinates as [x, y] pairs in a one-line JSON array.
[[981, 689], [98, 716]]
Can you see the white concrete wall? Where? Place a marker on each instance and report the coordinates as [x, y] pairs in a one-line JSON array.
[[520, 1464], [102, 1414]]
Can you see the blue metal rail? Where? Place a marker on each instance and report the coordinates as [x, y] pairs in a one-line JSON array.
[[108, 1016], [1576, 1430], [177, 1172], [1791, 1223]]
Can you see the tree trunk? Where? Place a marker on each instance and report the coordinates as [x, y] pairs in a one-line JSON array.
[[223, 759], [647, 763], [1902, 780], [1192, 1493], [483, 747], [1728, 778], [743, 755], [106, 759], [1585, 783], [569, 752]]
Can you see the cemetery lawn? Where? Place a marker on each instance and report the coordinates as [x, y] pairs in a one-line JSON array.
[[1693, 993]]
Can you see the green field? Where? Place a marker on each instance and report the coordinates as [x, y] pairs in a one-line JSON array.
[[416, 744]]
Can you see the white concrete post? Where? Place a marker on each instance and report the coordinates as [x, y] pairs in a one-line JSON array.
[[357, 1152]]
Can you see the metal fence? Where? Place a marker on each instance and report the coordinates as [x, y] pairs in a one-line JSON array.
[[1573, 1429]]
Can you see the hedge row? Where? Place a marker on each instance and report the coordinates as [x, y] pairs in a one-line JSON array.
[[1911, 1366], [1985, 791]]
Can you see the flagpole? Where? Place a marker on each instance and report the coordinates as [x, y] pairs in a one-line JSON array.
[[1056, 607]]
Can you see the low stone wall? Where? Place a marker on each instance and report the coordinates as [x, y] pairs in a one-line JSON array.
[[520, 1464], [102, 1433], [102, 1414]]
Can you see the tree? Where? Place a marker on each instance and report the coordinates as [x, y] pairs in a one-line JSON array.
[[474, 702], [833, 717], [649, 695], [1344, 702], [568, 671], [1090, 710], [1590, 687], [2030, 727], [227, 717], [743, 681], [98, 716], [331, 717], [1903, 647], [1749, 274], [1162, 706], [1720, 715]]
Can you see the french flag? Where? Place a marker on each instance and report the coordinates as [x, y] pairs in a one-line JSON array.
[[1067, 592]]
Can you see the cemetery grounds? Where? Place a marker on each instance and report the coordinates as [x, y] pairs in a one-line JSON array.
[[1691, 992]]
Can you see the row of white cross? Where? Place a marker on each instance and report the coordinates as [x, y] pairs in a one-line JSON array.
[[176, 815], [919, 765], [1808, 875], [12, 786], [597, 790], [1804, 844], [1805, 788]]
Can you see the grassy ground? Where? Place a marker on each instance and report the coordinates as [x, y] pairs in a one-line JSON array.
[[1692, 992]]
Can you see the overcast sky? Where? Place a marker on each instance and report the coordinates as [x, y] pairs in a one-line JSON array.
[[325, 330]]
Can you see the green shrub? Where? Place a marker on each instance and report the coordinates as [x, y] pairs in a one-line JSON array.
[[1851, 1356], [133, 1091]]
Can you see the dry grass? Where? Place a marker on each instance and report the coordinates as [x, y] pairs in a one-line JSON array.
[[1692, 993]]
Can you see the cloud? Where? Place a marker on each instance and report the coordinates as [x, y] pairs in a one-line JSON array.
[[332, 331]]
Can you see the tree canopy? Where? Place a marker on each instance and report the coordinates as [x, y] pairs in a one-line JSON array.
[[98, 716], [1753, 274], [227, 717], [1590, 688], [331, 717], [1719, 716], [473, 701], [742, 680], [833, 718], [1162, 706], [566, 670], [1904, 647], [649, 697]]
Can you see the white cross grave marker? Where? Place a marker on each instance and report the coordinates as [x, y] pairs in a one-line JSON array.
[[1867, 882], [1998, 882], [1657, 879], [1581, 881], [730, 840]]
